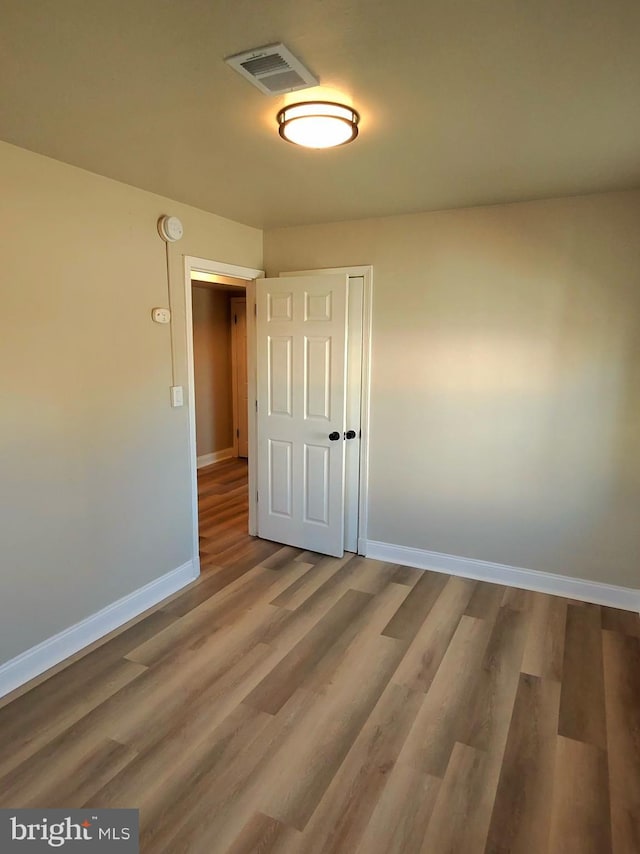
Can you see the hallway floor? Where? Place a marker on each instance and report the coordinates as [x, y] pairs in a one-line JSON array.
[[223, 512]]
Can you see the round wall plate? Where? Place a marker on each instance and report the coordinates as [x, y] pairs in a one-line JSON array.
[[170, 228]]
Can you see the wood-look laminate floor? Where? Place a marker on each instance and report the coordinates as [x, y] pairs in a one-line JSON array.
[[309, 705]]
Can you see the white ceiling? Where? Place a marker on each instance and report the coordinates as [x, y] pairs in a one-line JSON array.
[[463, 102]]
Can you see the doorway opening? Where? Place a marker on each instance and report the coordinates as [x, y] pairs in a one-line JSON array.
[[220, 396], [222, 485], [351, 498]]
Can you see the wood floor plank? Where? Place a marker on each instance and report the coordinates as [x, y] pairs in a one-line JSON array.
[[289, 627], [345, 655], [98, 767], [296, 593], [436, 728], [226, 507], [208, 587], [337, 717], [311, 557], [625, 622], [521, 818], [472, 773], [580, 820], [223, 515], [119, 645], [24, 734], [462, 812], [178, 638], [517, 599], [261, 835], [219, 797], [399, 821], [210, 547], [60, 687], [65, 771], [415, 609], [582, 706], [544, 652], [216, 612], [227, 663], [248, 555], [257, 586], [371, 576], [622, 696], [341, 817], [287, 676], [82, 780], [484, 722], [407, 575], [318, 603], [485, 601], [432, 638], [188, 688], [282, 557], [214, 747]]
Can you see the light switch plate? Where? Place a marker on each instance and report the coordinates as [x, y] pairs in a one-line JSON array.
[[177, 396]]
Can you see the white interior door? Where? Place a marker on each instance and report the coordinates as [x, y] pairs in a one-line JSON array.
[[354, 401], [301, 333]]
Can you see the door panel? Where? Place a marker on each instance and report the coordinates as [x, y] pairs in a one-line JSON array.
[[316, 484], [280, 376], [280, 478], [301, 382], [317, 379]]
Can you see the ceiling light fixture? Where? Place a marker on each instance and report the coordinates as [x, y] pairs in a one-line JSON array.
[[318, 124]]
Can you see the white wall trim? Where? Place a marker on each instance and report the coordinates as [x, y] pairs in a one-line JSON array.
[[626, 598], [204, 265], [52, 651], [215, 457]]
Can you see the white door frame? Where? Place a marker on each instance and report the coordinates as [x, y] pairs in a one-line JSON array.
[[367, 273], [248, 275]]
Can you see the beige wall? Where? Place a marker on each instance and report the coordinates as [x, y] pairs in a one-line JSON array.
[[506, 378], [94, 481], [212, 369]]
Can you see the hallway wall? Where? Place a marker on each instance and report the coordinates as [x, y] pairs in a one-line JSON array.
[[212, 370]]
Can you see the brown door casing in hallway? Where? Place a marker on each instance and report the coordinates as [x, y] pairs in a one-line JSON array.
[[240, 378]]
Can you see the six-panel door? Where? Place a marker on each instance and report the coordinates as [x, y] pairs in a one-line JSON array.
[[301, 342]]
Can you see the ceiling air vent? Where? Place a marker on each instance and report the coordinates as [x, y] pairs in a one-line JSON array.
[[272, 69]]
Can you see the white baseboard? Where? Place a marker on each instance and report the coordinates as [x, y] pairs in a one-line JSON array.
[[626, 598], [52, 651], [215, 457]]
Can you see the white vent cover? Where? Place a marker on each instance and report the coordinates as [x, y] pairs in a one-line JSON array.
[[272, 69]]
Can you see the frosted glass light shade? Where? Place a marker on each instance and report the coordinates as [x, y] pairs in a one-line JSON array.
[[318, 124]]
